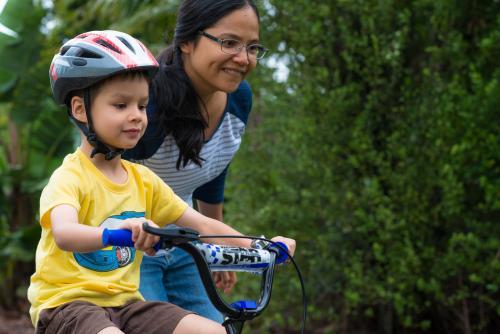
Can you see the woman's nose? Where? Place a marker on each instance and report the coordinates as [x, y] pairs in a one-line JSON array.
[[242, 57]]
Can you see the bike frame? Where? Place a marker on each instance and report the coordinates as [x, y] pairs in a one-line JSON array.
[[235, 314]]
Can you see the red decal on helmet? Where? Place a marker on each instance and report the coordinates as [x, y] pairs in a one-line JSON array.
[[150, 56], [53, 72], [103, 42]]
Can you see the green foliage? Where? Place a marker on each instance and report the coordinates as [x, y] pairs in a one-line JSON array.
[[151, 21], [32, 142], [18, 46], [379, 154]]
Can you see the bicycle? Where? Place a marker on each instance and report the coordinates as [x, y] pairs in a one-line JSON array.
[[209, 257]]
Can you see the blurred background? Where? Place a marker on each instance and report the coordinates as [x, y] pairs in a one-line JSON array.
[[374, 141]]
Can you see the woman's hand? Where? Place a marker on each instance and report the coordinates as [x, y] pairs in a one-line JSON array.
[[143, 240], [225, 280], [290, 243]]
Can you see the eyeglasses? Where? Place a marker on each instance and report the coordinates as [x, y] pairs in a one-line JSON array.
[[233, 46]]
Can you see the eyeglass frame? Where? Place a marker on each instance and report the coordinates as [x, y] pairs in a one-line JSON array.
[[242, 45]]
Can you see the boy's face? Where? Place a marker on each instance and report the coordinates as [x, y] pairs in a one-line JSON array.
[[119, 111]]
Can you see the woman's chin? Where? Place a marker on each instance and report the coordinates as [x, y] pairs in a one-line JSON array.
[[230, 87]]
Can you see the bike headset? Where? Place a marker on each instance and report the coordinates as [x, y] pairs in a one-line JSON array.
[[86, 60]]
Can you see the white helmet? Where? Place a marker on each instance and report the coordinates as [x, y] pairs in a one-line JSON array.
[[93, 56]]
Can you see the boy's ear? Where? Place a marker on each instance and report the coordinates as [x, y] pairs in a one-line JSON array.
[[78, 109]]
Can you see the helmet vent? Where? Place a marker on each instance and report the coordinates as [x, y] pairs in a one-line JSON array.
[[76, 51], [89, 54], [107, 45], [127, 44], [64, 50]]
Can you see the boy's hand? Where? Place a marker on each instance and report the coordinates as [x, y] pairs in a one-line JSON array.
[[143, 240], [290, 243]]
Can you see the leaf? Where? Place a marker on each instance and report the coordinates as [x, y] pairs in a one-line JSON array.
[[7, 80], [19, 47]]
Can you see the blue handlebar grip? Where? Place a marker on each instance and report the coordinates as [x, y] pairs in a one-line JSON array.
[[281, 256], [120, 237], [117, 238]]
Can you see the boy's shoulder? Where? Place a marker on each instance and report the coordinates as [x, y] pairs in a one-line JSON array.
[[71, 165], [69, 175]]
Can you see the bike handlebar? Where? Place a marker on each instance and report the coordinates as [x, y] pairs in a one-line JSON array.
[[218, 257]]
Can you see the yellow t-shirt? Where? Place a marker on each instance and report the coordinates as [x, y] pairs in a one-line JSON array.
[[110, 276]]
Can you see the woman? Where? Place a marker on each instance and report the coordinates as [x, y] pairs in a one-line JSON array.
[[198, 111]]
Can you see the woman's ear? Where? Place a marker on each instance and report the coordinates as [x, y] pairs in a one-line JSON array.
[[187, 47], [78, 109]]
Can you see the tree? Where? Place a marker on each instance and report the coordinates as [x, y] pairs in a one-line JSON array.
[[30, 137], [378, 155]]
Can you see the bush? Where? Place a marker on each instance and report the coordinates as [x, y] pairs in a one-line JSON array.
[[379, 154]]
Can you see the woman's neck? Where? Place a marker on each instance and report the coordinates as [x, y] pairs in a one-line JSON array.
[[214, 102], [213, 110]]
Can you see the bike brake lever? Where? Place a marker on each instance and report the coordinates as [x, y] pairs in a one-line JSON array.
[[175, 235]]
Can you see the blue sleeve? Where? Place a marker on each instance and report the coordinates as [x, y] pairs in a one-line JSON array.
[[213, 191], [240, 102], [151, 140]]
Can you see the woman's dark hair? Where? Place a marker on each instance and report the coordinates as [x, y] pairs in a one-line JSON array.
[[177, 102]]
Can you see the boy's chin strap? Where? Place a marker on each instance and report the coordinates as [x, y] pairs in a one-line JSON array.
[[100, 147], [89, 132]]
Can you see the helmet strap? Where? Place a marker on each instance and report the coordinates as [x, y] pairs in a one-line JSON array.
[[89, 132]]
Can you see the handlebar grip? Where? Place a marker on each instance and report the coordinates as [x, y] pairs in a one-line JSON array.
[[281, 251], [120, 237], [117, 238]]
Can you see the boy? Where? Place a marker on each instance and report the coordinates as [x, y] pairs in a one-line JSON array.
[[79, 284]]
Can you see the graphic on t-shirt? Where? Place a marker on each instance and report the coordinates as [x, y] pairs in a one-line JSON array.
[[113, 257]]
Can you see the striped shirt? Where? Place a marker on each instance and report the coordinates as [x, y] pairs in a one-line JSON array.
[[206, 183]]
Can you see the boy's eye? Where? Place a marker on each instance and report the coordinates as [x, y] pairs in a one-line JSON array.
[[120, 105], [142, 107]]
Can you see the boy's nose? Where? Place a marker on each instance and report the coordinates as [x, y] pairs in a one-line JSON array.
[[136, 114]]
